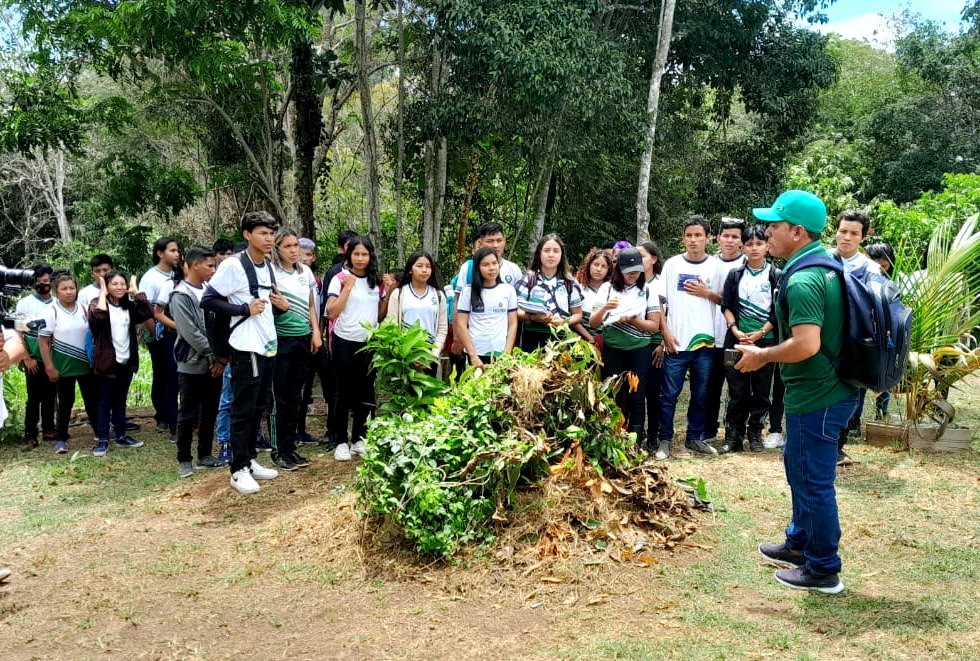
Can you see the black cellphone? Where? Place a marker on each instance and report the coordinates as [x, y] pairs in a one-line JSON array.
[[731, 357]]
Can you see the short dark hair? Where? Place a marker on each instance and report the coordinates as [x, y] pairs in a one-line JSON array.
[[222, 246], [63, 276], [489, 229], [882, 251], [731, 224], [345, 237], [254, 219], [700, 221], [100, 260], [814, 236], [753, 232], [160, 245], [855, 216], [42, 269], [197, 254]]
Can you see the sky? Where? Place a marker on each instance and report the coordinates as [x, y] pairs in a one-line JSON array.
[[868, 19]]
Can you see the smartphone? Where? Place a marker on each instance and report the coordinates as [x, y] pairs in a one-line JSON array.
[[731, 357]]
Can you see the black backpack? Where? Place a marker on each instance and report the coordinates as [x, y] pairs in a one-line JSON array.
[[218, 325]]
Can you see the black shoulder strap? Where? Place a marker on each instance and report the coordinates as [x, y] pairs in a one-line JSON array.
[[253, 279]]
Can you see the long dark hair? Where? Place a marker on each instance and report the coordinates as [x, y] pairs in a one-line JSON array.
[[618, 282], [373, 277], [435, 278], [584, 273], [654, 250], [476, 288]]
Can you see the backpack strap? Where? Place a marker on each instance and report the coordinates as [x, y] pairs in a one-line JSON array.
[[813, 261]]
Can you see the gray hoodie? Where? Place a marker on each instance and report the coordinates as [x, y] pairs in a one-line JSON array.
[[189, 318]]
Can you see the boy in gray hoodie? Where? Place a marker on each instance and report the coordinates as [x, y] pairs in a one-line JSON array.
[[198, 371]]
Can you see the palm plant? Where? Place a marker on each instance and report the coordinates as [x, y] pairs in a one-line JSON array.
[[946, 316]]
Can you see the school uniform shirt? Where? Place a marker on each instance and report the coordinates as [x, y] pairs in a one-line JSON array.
[[487, 324], [510, 273], [755, 299], [32, 308], [859, 261], [653, 292], [691, 319], [551, 295], [68, 331], [589, 303], [296, 286], [623, 336], [362, 305], [422, 310], [88, 294], [257, 334], [119, 331], [726, 266]]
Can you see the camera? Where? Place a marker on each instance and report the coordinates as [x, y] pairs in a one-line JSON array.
[[732, 356], [11, 281]]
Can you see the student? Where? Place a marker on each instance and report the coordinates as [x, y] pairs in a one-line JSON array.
[[490, 235], [353, 298], [41, 393], [113, 319], [389, 283], [548, 295], [252, 343], [630, 317], [419, 299], [486, 316], [336, 266], [690, 292], [811, 328], [198, 369], [457, 357], [730, 257], [747, 304], [62, 347], [320, 366], [299, 339], [100, 265], [163, 392], [884, 256], [594, 270], [653, 265], [223, 249]]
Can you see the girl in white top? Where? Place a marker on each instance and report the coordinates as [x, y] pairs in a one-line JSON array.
[[419, 299], [353, 296], [486, 316], [594, 270]]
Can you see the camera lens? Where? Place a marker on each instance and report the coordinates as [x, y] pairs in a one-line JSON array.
[[19, 278]]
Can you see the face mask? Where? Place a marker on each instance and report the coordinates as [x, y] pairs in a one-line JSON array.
[[42, 288]]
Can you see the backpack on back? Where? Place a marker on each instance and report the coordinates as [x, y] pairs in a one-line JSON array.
[[220, 327], [877, 326]]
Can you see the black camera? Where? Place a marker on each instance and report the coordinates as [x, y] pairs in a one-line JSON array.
[[16, 278]]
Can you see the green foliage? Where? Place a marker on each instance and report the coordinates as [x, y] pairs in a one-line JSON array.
[[400, 356]]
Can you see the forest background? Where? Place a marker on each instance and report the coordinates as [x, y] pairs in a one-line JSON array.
[[416, 121]]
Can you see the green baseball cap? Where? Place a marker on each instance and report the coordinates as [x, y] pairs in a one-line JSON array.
[[797, 207]]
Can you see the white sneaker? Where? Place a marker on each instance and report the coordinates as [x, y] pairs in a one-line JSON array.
[[260, 472], [773, 440], [242, 481], [342, 452], [358, 448]]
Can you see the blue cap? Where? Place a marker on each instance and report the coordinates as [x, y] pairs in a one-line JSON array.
[[797, 207]]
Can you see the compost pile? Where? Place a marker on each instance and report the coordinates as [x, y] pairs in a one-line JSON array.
[[529, 453]]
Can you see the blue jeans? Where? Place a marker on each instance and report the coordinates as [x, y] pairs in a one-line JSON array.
[[676, 365], [223, 430], [810, 458]]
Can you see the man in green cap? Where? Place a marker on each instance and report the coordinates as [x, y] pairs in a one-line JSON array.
[[810, 311]]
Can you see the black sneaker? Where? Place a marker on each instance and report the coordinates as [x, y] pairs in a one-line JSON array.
[[128, 441], [210, 462], [298, 460], [731, 444], [801, 578], [262, 444], [327, 444], [162, 427], [283, 462], [29, 444], [307, 439], [131, 426], [700, 447], [755, 444], [843, 459], [782, 556]]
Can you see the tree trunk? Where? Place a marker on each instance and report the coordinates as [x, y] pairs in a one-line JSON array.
[[653, 102], [464, 217], [436, 153], [400, 229], [50, 166], [307, 127], [542, 188], [372, 185]]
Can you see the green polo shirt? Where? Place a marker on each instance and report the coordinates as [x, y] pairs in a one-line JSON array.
[[813, 296]]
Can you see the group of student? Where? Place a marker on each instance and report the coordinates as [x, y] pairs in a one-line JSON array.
[[237, 336]]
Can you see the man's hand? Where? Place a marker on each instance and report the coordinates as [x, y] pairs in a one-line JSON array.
[[278, 301], [315, 342], [256, 307], [217, 369], [53, 373], [697, 288], [752, 358], [31, 365], [658, 356]]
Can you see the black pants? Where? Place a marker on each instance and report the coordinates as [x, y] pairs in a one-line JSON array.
[[638, 361], [653, 403], [532, 340], [163, 392], [748, 402], [294, 363], [113, 392], [776, 408], [199, 397], [41, 394], [320, 368], [66, 401], [353, 389], [251, 397], [712, 402]]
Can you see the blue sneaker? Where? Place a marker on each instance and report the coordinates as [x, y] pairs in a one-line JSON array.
[[100, 449], [262, 444], [61, 447], [224, 453], [128, 441]]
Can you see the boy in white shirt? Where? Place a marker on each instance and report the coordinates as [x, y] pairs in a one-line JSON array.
[[163, 392]]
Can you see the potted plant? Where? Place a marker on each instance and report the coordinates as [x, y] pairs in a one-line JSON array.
[[945, 301]]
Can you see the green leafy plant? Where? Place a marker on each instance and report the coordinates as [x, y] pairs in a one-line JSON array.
[[400, 356]]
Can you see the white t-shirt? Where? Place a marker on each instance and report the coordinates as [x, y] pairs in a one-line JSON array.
[[422, 310], [119, 329], [257, 334], [295, 286], [590, 301], [691, 319], [88, 294], [488, 325], [152, 283], [858, 261], [68, 329], [510, 273], [32, 308], [721, 325], [362, 305]]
